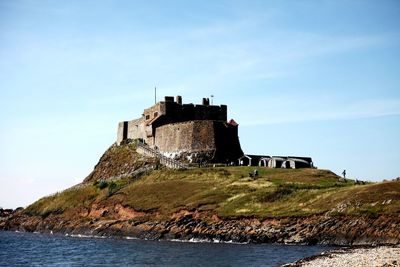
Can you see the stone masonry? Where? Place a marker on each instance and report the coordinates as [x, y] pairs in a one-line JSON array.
[[186, 131]]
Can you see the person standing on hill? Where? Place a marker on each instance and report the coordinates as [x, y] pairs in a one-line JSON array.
[[344, 174]]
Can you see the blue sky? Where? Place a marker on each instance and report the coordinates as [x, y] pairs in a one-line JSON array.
[[312, 78]]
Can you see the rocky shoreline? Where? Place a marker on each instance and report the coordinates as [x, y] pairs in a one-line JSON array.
[[370, 240], [185, 225]]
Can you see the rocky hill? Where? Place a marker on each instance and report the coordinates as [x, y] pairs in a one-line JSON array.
[[119, 162], [129, 195]]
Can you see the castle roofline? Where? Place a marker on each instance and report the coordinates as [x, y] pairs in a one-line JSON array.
[[178, 100]]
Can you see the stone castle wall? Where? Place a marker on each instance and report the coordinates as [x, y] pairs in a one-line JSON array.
[[191, 136], [215, 141], [176, 128], [133, 129], [120, 135], [164, 113]]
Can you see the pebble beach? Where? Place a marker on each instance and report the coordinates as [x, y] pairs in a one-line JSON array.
[[383, 256]]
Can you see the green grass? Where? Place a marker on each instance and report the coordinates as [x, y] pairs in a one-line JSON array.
[[67, 200], [229, 192]]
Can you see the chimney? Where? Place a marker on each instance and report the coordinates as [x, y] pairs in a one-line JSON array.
[[179, 99], [206, 102], [169, 99]]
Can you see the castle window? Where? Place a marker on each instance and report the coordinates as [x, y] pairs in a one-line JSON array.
[[155, 114], [147, 117]]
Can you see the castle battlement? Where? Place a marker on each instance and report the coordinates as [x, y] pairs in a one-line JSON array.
[[175, 111]]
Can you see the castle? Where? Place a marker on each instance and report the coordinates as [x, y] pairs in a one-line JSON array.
[[186, 132]]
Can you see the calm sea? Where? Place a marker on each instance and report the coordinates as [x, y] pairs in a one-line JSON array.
[[29, 249]]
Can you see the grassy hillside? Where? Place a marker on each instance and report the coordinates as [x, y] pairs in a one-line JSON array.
[[228, 192]]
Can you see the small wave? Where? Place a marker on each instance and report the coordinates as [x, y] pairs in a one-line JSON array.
[[87, 236], [131, 238], [192, 240], [203, 240], [81, 236], [199, 240]]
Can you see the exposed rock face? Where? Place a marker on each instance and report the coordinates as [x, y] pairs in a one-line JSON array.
[[120, 221], [4, 213], [119, 161]]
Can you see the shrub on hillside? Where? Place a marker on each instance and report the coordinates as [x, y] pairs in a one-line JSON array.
[[102, 184], [112, 188]]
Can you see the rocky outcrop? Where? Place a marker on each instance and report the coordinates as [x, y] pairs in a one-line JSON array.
[[120, 161], [187, 225], [5, 213]]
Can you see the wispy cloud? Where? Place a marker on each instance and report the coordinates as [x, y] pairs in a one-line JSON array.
[[293, 110]]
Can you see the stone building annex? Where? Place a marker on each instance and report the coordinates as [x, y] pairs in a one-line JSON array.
[[195, 133]]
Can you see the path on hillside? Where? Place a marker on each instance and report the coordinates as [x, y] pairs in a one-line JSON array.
[[168, 162]]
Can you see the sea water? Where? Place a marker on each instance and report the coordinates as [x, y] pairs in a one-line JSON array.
[[30, 249]]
